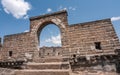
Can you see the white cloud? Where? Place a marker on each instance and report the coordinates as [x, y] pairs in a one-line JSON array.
[[54, 39], [72, 8], [25, 17], [49, 10], [26, 31], [66, 8], [62, 8], [18, 8], [115, 18]]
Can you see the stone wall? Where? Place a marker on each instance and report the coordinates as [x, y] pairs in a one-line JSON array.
[[83, 36], [39, 72], [19, 44], [58, 18], [76, 39], [51, 52]]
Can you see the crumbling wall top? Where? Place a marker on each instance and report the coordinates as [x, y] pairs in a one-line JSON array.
[[14, 35], [108, 20], [46, 15]]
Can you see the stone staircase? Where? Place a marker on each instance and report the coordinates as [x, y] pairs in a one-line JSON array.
[[5, 71], [42, 72], [51, 66]]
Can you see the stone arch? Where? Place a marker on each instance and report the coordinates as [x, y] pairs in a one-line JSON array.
[[56, 21], [38, 28], [39, 22], [44, 24]]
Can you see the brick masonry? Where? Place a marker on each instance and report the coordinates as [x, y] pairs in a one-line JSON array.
[[37, 72], [50, 51], [77, 38]]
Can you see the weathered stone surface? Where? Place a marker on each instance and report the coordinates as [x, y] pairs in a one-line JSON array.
[[42, 72], [49, 65], [76, 39], [4, 71], [83, 39], [51, 52]]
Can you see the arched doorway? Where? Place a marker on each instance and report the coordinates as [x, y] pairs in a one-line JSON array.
[[39, 22], [50, 36], [49, 41]]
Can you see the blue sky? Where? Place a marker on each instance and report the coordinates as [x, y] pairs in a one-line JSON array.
[[14, 15]]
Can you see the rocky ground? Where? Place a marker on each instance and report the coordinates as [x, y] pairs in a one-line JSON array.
[[93, 73], [5, 71]]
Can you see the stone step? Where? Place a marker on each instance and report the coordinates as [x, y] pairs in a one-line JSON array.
[[43, 60], [52, 65], [42, 72], [5, 71]]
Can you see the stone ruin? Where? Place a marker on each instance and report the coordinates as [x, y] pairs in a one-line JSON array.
[[87, 48]]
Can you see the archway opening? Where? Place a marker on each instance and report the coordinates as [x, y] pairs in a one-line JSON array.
[[50, 36]]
